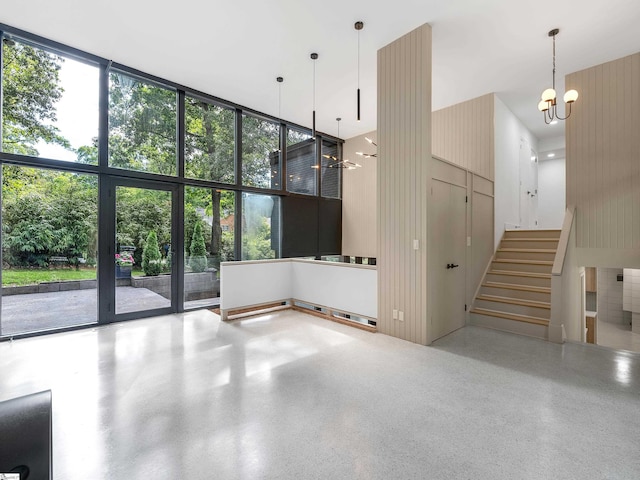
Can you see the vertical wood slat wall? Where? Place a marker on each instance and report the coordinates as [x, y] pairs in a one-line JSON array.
[[359, 199], [404, 139], [603, 154], [464, 134]]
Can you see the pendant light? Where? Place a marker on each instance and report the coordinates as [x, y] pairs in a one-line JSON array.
[[548, 103], [279, 80], [314, 57], [358, 26]]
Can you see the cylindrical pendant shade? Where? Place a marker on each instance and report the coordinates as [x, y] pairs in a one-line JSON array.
[[358, 104], [313, 128]]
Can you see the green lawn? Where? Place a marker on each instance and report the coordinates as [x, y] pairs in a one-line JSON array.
[[26, 276]]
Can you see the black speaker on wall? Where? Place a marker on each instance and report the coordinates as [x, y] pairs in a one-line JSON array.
[[311, 226], [299, 227], [330, 226]]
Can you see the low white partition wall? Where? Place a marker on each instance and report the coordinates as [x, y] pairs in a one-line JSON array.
[[344, 287]]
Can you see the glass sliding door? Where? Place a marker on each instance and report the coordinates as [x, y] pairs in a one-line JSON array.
[[209, 238], [49, 249], [143, 253]]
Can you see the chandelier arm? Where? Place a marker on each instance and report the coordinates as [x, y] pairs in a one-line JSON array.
[[568, 114], [549, 114]]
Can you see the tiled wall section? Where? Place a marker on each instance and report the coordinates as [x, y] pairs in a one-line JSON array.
[[610, 295], [631, 290]]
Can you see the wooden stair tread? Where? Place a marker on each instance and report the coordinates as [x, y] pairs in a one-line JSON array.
[[527, 250], [555, 230], [511, 316], [524, 262], [515, 286], [514, 301], [531, 239], [514, 273]]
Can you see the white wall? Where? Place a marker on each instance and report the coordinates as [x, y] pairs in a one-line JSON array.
[[254, 282], [510, 133], [555, 144], [345, 287], [551, 193], [610, 295]]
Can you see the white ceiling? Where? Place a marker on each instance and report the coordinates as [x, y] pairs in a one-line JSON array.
[[235, 50]]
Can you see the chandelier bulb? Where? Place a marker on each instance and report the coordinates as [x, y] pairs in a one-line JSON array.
[[571, 96], [549, 95]]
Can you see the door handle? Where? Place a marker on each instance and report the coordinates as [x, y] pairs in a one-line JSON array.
[[451, 265]]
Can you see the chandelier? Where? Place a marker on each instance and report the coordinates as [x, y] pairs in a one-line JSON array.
[[369, 155], [335, 160], [548, 103]]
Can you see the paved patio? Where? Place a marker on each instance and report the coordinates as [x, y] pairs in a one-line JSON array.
[[45, 311]]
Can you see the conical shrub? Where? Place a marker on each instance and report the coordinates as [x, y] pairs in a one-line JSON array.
[[198, 250], [151, 257]]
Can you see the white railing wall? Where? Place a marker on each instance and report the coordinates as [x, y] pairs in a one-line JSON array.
[[348, 288], [565, 285]]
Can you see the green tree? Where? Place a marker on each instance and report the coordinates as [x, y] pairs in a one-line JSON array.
[[256, 244], [28, 235], [198, 251], [31, 88], [142, 125], [151, 257], [48, 213], [209, 154]]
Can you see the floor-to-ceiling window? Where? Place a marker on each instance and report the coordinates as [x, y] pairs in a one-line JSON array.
[[260, 235], [122, 192], [209, 239], [49, 249]]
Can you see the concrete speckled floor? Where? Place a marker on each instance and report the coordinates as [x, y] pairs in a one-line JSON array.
[[286, 395], [615, 335]]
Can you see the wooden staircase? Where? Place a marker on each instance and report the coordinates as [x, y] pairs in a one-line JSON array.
[[515, 294]]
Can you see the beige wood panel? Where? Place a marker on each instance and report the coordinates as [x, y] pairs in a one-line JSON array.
[[482, 242], [359, 199], [448, 172], [482, 185], [603, 155], [404, 139], [464, 134]]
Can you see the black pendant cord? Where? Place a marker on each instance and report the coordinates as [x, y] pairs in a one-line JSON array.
[[358, 26], [279, 80], [358, 75], [313, 134], [553, 82], [314, 57]]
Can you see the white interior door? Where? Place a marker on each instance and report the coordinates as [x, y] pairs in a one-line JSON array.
[[528, 162], [448, 281]]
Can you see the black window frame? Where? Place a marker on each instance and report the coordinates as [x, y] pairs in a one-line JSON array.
[[105, 173]]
